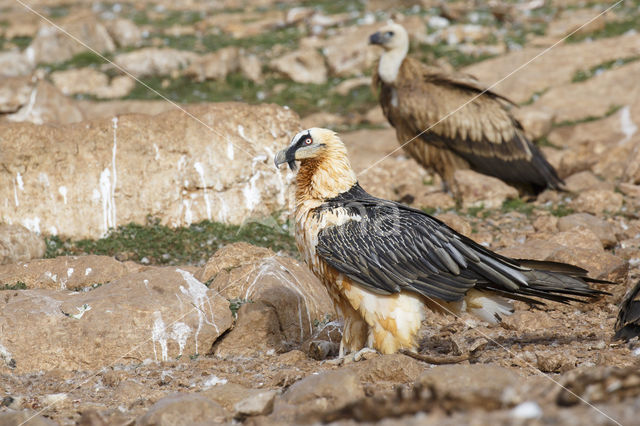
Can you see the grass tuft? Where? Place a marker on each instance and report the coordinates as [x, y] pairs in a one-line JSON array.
[[154, 243]]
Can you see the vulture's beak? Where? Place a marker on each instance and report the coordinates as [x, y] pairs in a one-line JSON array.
[[375, 38], [287, 155]]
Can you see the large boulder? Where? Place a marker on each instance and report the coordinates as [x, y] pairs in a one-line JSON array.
[[213, 162], [551, 69], [52, 45], [66, 272], [282, 298], [37, 101], [18, 244], [157, 314]]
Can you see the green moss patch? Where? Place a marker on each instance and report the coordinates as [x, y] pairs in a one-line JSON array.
[[154, 243]]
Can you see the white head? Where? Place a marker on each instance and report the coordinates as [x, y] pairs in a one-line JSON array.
[[393, 38]]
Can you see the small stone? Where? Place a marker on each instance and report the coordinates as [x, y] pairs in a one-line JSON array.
[[527, 410], [554, 362], [124, 32], [456, 222], [183, 409], [582, 181], [302, 66], [597, 201], [477, 190], [256, 405], [603, 230], [216, 65], [536, 122]]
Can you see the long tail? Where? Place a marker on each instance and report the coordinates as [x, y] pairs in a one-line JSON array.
[[558, 282]]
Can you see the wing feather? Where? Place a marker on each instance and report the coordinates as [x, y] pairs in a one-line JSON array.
[[394, 248], [483, 132]]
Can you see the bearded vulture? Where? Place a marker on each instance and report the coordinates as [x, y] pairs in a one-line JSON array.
[[481, 135], [383, 262]]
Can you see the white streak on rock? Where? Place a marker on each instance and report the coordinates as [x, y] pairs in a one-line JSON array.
[[198, 294], [5, 355], [213, 381], [627, 126], [63, 191], [87, 271], [15, 194], [241, 133], [43, 179], [108, 203], [230, 153], [180, 334], [69, 272], [32, 224], [157, 157], [159, 334], [223, 212], [20, 182], [251, 192]]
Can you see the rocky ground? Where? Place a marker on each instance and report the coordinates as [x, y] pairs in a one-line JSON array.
[[148, 273]]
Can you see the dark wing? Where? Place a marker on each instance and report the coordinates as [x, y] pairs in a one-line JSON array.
[[392, 248], [628, 323], [483, 132]]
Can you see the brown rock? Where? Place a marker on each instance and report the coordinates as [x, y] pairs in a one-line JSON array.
[[592, 97], [46, 105], [336, 388], [554, 362], [14, 93], [302, 66], [109, 109], [184, 409], [476, 385], [152, 61], [124, 32], [599, 227], [51, 45], [456, 222], [218, 166], [546, 224], [551, 69], [536, 121], [477, 190], [216, 65], [18, 244], [92, 82], [65, 272], [230, 394], [435, 200], [581, 237], [251, 67], [597, 201], [585, 180], [629, 189], [256, 405], [14, 63], [349, 52], [255, 334], [31, 418], [244, 272], [396, 368], [158, 314]]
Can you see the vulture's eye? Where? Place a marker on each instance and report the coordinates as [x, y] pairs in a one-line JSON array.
[[389, 33], [308, 141]]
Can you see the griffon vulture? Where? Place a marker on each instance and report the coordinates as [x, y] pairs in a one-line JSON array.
[[482, 135]]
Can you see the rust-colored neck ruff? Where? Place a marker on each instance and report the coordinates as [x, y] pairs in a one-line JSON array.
[[323, 178]]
